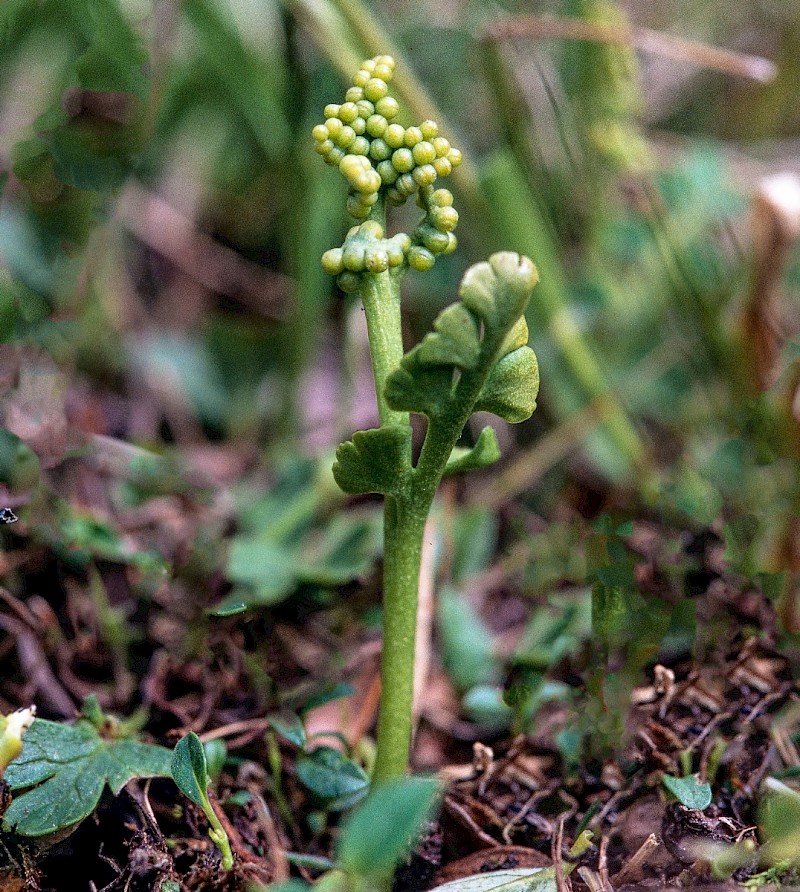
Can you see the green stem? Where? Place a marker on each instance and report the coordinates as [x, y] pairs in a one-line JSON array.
[[404, 526], [218, 835], [380, 294]]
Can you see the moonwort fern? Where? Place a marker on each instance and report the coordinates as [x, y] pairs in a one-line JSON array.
[[475, 359]]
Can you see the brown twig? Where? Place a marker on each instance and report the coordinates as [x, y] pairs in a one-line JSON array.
[[631, 870], [556, 844], [234, 728]]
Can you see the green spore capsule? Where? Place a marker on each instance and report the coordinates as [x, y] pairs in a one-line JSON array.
[[395, 253], [452, 243], [441, 146], [445, 219], [371, 229], [349, 282], [387, 172], [332, 261], [379, 150], [334, 127], [454, 156], [353, 257], [435, 241], [395, 197], [359, 125], [405, 184], [376, 125], [331, 110], [320, 133], [425, 175], [345, 137], [348, 112], [375, 89], [376, 261], [395, 135], [420, 259], [324, 148], [360, 145], [430, 129], [424, 152], [356, 207], [383, 72], [369, 66], [442, 198], [361, 78], [389, 107], [335, 156], [403, 160], [365, 108], [354, 94], [442, 167], [413, 136]]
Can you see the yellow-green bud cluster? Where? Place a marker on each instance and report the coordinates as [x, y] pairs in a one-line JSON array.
[[365, 250], [371, 152]]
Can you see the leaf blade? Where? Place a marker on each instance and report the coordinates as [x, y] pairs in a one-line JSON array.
[[189, 769]]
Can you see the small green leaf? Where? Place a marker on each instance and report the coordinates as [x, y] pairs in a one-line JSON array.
[[330, 775], [512, 387], [454, 341], [485, 452], [688, 791], [67, 766], [289, 726], [374, 460], [383, 829], [189, 769]]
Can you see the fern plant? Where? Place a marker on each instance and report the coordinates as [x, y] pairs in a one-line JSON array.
[[475, 359]]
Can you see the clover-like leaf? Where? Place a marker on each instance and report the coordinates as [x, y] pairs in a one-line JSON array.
[[485, 452], [512, 387], [374, 460], [67, 767]]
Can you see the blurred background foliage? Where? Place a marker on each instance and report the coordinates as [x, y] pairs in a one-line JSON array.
[[162, 218]]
